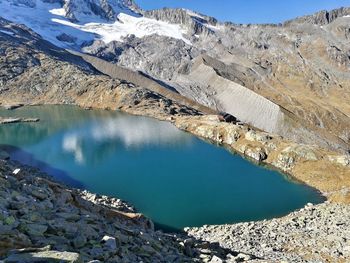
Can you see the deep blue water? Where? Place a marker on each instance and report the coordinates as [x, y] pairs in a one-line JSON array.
[[171, 176]]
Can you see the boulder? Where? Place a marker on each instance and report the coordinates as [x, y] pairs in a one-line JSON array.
[[257, 153], [288, 156], [110, 243], [36, 229]]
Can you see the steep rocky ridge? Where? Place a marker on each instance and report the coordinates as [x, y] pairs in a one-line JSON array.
[[323, 17]]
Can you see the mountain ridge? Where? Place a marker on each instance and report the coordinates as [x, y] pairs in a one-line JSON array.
[[301, 66]]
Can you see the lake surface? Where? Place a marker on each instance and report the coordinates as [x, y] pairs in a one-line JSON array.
[[171, 176]]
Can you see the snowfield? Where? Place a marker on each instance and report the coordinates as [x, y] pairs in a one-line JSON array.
[[49, 20]]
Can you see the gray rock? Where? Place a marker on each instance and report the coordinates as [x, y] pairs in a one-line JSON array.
[[45, 256], [36, 229], [79, 241], [110, 243]]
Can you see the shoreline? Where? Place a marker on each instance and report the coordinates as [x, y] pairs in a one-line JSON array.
[[41, 217], [216, 140], [264, 148]]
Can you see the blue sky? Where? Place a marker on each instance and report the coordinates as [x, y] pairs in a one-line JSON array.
[[249, 11]]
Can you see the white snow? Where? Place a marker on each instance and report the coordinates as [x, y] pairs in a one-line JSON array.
[[347, 16], [16, 171], [193, 14], [7, 32], [49, 21], [58, 11], [128, 25]]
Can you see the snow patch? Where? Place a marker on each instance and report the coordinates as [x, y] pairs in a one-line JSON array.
[[7, 32], [49, 21], [193, 14], [58, 11]]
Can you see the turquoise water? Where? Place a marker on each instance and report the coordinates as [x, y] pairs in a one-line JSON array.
[[171, 176]]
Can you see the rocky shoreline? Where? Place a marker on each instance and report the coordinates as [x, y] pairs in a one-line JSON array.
[[45, 221], [316, 233], [327, 171]]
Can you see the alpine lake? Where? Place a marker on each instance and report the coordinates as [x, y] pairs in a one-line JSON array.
[[171, 176]]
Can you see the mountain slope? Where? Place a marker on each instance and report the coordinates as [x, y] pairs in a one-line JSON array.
[[300, 68], [33, 70]]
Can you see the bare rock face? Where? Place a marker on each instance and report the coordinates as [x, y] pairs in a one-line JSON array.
[[195, 23], [323, 17]]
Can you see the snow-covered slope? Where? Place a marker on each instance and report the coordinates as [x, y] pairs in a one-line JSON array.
[[74, 23]]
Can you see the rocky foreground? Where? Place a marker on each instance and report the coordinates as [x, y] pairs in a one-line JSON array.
[[44, 221], [314, 234]]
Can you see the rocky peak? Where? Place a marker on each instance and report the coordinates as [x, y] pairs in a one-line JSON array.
[[195, 22], [76, 10], [321, 18]]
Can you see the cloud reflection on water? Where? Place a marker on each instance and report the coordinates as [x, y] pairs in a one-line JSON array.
[[133, 132]]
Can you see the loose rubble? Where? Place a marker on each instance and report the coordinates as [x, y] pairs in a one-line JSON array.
[[45, 221], [316, 233]]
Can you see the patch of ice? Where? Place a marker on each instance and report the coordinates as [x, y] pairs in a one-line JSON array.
[[58, 11], [193, 14], [7, 32]]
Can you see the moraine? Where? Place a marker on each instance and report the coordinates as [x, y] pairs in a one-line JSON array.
[[170, 176]]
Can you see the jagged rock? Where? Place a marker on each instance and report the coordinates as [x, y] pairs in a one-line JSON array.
[[110, 243], [69, 220], [36, 229], [257, 136], [322, 17], [257, 153], [79, 241], [282, 239]]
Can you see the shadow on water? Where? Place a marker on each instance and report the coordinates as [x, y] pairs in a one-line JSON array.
[[166, 228], [17, 154]]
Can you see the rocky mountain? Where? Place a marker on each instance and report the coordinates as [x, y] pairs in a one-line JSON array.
[[290, 79]]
